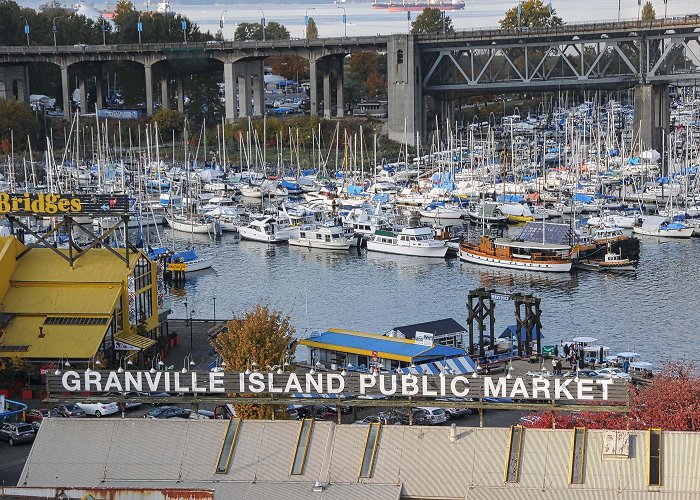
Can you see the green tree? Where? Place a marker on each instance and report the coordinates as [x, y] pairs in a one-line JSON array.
[[311, 29], [168, 120], [254, 31], [17, 117], [648, 12], [261, 336], [432, 21], [534, 14]]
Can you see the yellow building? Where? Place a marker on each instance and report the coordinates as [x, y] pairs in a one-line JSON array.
[[50, 311]]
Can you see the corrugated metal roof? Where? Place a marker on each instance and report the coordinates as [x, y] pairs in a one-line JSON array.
[[63, 300], [421, 459], [384, 346], [76, 341], [97, 265], [438, 327], [135, 340]]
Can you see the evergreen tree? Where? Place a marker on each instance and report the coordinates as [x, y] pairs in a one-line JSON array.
[[432, 21]]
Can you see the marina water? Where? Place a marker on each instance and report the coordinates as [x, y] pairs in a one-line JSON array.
[[653, 311]]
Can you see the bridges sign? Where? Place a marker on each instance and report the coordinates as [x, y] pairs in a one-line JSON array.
[[50, 204]]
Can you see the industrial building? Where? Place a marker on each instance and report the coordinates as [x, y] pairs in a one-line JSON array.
[[258, 459], [98, 307]]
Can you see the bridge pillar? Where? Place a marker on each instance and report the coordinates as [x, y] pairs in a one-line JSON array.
[[327, 106], [652, 115], [83, 95], [258, 76], [339, 99], [230, 93], [15, 83], [244, 90], [404, 79], [98, 91], [65, 88], [180, 94], [149, 88], [164, 98], [313, 87]]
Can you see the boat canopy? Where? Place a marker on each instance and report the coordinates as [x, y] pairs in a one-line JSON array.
[[452, 366], [585, 340], [528, 245], [509, 333]]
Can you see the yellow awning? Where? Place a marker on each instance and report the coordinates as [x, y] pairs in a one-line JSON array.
[[134, 340], [22, 339], [61, 300]]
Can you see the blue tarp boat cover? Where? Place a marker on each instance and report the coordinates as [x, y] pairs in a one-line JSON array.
[[584, 198], [510, 198], [354, 189]]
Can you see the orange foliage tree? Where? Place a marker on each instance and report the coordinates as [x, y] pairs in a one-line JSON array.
[[260, 336], [671, 401]]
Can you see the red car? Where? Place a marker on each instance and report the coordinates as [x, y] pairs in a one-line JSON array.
[[37, 415]]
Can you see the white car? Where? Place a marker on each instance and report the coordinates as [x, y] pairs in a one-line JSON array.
[[614, 373], [99, 409], [434, 416]]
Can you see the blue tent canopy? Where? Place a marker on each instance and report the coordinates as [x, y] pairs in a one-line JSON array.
[[509, 333]]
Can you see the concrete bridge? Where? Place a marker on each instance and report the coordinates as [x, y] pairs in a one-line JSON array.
[[424, 72]]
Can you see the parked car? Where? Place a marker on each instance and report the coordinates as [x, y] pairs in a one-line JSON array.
[[456, 412], [37, 415], [68, 410], [17, 433], [128, 404], [168, 412], [434, 416], [614, 373], [99, 409]]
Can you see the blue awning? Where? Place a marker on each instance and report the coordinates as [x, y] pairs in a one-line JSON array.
[[509, 333], [452, 366]]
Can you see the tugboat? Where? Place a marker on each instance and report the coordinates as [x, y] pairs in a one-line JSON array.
[[612, 262]]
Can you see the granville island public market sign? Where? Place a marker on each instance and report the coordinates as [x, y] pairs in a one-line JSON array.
[[350, 385]]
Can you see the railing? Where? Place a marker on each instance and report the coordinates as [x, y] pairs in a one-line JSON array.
[[14, 413]]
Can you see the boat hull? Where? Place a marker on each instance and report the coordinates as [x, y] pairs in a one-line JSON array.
[[189, 227], [198, 265], [247, 233], [665, 233], [321, 245], [486, 260], [431, 251]]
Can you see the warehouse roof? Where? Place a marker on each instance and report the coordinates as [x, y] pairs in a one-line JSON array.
[[418, 462], [438, 327]]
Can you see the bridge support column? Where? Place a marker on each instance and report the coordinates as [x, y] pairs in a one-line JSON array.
[[244, 91], [258, 77], [230, 93], [83, 95], [339, 98], [98, 91], [327, 106], [180, 94], [148, 72], [164, 98], [313, 87], [404, 79], [652, 115], [65, 88]]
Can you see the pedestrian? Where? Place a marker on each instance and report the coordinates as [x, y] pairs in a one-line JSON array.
[[626, 366], [559, 367], [566, 350]]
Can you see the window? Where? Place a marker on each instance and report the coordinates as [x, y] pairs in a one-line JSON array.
[[513, 464], [142, 273], [399, 56], [654, 457], [143, 306], [367, 465], [302, 446], [578, 455], [227, 446]]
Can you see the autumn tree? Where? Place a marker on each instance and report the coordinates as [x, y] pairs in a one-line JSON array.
[[311, 29], [533, 14], [648, 12], [366, 76], [260, 336], [671, 401], [432, 21]]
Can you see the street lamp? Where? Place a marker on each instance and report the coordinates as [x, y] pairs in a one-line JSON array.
[[345, 22], [262, 22], [104, 32], [520, 13], [665, 8], [215, 308], [183, 24], [54, 29], [127, 362], [221, 24], [26, 28], [306, 21], [191, 318], [139, 28]]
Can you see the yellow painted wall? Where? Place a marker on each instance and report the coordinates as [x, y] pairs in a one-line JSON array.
[[9, 249]]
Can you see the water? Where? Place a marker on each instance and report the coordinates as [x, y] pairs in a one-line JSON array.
[[653, 312], [363, 20]]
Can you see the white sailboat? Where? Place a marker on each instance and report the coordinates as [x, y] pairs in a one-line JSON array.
[[654, 225]]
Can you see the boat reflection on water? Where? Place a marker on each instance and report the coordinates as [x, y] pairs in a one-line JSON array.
[[521, 281], [327, 258], [407, 265]]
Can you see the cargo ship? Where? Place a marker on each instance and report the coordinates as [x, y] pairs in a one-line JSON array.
[[418, 6]]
